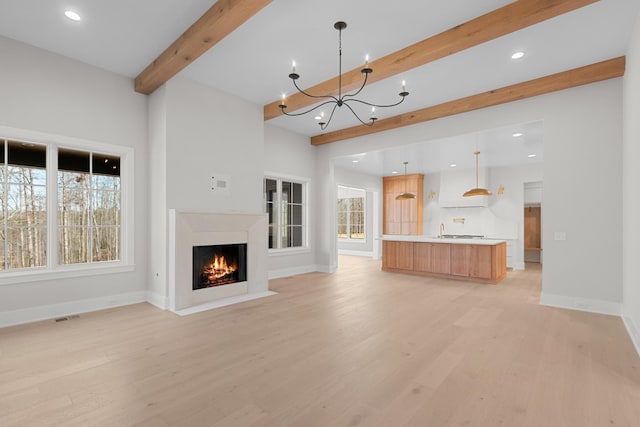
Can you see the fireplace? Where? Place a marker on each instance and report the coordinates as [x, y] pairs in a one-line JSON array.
[[218, 265], [189, 229]]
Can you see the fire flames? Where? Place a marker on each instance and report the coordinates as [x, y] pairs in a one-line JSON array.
[[219, 269]]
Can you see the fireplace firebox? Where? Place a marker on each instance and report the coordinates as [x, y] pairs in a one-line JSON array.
[[217, 265]]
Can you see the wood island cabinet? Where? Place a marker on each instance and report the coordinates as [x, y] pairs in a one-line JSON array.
[[402, 216], [472, 261], [486, 263], [432, 257], [399, 255]]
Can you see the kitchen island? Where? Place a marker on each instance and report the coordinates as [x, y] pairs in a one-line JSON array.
[[478, 260]]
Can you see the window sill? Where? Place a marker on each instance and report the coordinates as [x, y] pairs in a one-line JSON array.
[[67, 272], [340, 239], [288, 251]]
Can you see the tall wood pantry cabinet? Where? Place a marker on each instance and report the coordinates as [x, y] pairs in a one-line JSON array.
[[402, 216]]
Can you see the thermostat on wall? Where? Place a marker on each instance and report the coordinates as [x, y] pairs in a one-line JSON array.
[[220, 184]]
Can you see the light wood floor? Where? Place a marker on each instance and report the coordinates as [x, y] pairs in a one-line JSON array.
[[359, 347]]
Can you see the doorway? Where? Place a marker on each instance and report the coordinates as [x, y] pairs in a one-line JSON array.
[[532, 233]]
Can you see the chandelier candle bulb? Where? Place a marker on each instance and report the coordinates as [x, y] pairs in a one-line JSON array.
[[404, 86], [293, 66]]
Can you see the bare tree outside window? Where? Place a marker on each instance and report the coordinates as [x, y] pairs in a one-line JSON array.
[[351, 213], [23, 190], [89, 216]]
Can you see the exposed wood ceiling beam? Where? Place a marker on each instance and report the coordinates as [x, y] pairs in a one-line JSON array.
[[218, 22], [567, 79], [512, 17]]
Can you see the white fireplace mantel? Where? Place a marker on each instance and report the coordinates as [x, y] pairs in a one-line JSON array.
[[196, 228]]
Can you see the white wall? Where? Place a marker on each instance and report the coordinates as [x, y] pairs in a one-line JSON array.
[[631, 189], [291, 155], [211, 133], [583, 135], [157, 286], [47, 93], [373, 211], [197, 132]]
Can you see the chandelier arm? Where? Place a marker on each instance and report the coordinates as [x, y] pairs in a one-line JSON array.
[[323, 126], [355, 114], [314, 96], [331, 101], [366, 75], [374, 105]]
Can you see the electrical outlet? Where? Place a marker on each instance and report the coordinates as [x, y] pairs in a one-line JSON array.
[[560, 235]]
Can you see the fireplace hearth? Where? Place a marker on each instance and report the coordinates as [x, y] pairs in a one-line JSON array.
[[218, 265]]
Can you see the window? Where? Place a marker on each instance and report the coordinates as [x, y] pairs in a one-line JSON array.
[[59, 207], [351, 213], [285, 205], [88, 207], [23, 210]]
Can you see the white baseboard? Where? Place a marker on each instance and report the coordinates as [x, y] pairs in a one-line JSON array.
[[368, 254], [634, 332], [293, 271], [581, 304], [327, 268], [45, 312], [155, 299], [519, 266]]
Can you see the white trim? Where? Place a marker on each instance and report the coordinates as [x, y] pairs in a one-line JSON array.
[[127, 215], [157, 300], [279, 178], [581, 304], [519, 266], [293, 271], [355, 253], [634, 332], [223, 303], [62, 272], [45, 312], [289, 251]]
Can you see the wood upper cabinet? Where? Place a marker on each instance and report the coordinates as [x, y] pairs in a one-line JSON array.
[[402, 216]]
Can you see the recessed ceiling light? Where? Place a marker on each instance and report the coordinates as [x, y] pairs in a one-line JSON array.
[[517, 55], [517, 134], [531, 155], [452, 165], [355, 161], [72, 15], [395, 172]]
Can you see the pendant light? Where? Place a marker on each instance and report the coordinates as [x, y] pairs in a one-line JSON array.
[[406, 195], [477, 191]]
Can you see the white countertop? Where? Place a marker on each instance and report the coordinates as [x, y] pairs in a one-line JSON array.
[[435, 239]]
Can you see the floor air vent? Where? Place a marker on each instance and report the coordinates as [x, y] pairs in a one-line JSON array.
[[62, 319]]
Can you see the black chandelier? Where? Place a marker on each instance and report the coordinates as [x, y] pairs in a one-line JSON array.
[[340, 100]]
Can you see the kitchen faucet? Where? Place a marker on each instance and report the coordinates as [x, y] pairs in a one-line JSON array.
[[441, 231]]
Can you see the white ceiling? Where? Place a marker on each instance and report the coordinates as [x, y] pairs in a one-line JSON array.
[[253, 62], [498, 147]]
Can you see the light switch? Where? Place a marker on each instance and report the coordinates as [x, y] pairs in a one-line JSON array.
[[560, 235]]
